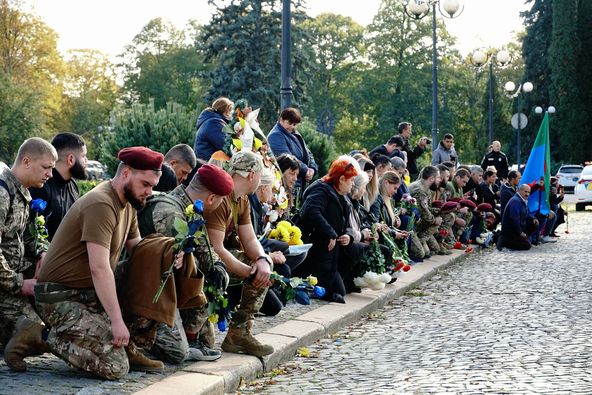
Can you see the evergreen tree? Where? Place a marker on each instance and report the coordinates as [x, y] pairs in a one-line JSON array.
[[243, 42], [142, 124], [564, 90]]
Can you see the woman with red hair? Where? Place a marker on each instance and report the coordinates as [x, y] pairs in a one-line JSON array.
[[324, 219]]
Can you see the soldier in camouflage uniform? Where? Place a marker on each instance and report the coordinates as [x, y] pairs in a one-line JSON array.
[[455, 189], [75, 294], [447, 238], [251, 265], [210, 184], [18, 249], [429, 221]]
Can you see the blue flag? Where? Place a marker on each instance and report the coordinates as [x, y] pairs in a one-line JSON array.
[[537, 173]]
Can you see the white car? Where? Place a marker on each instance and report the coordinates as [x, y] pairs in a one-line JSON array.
[[568, 176], [95, 170], [583, 190]]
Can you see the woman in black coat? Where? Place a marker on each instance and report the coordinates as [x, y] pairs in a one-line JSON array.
[[324, 220]]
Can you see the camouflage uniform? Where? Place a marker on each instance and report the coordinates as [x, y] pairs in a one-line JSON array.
[[457, 192], [171, 343], [17, 253], [446, 226], [81, 335], [425, 227]]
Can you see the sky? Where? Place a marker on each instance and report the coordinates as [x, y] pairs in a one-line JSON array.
[[109, 25]]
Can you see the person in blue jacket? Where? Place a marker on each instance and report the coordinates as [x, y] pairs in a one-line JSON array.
[[517, 225], [210, 136], [284, 139]]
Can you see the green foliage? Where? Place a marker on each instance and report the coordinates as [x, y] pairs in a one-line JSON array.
[[321, 146], [564, 89], [160, 65], [243, 41], [353, 133], [143, 125], [86, 185]]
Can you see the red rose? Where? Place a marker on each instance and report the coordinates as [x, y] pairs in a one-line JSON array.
[[400, 266], [406, 268]]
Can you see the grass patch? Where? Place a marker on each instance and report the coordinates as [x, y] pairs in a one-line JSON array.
[[416, 294]]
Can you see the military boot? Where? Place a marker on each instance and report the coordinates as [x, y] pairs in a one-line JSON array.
[[240, 340], [26, 342], [141, 363]]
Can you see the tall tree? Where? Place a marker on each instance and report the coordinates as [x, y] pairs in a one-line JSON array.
[[243, 41], [31, 69], [90, 94], [164, 63], [337, 42], [564, 89]]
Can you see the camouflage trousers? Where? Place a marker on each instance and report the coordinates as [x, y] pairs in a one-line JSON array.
[[446, 227], [251, 299], [12, 307], [426, 236], [416, 249], [81, 335]]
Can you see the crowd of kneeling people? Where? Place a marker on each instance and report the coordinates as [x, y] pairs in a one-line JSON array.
[[83, 299]]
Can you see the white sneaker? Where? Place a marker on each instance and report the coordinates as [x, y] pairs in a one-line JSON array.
[[547, 239]]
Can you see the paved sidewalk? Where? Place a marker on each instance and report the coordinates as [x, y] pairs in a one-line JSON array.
[[294, 327], [229, 372]]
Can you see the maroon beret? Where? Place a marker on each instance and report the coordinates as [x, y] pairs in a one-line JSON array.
[[457, 200], [484, 207], [141, 158], [216, 180], [437, 204], [468, 203], [449, 206]]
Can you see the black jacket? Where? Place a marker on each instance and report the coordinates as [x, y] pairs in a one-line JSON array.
[[324, 213], [412, 155], [168, 179], [506, 193], [60, 195], [497, 160]]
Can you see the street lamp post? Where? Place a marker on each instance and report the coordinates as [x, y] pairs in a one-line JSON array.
[[480, 59], [286, 87], [418, 9], [519, 120]]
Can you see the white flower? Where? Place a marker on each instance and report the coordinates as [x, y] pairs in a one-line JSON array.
[[237, 127], [273, 216], [385, 278], [371, 277], [360, 282]]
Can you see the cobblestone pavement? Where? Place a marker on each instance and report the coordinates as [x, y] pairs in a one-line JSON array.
[[499, 322], [50, 375]]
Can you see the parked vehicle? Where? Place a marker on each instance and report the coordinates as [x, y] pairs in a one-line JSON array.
[[568, 176], [583, 190], [95, 170]]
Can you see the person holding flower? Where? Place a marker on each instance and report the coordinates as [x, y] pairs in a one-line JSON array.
[[208, 187], [232, 236], [210, 136], [290, 168], [324, 220], [260, 202], [18, 249], [75, 294]]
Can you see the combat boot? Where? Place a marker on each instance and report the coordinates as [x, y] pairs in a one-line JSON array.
[[25, 342], [240, 340], [141, 363]]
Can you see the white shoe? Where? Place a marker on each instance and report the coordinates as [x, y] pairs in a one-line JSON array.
[[547, 239]]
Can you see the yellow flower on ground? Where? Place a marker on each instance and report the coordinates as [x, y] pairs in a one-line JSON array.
[[303, 352], [312, 280]]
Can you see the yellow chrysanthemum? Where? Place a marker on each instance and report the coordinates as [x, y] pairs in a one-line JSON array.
[[189, 210], [257, 144], [213, 318], [284, 224], [40, 220], [285, 232], [312, 280], [237, 143], [274, 234]]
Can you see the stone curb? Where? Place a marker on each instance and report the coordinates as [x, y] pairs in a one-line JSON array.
[[230, 371]]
